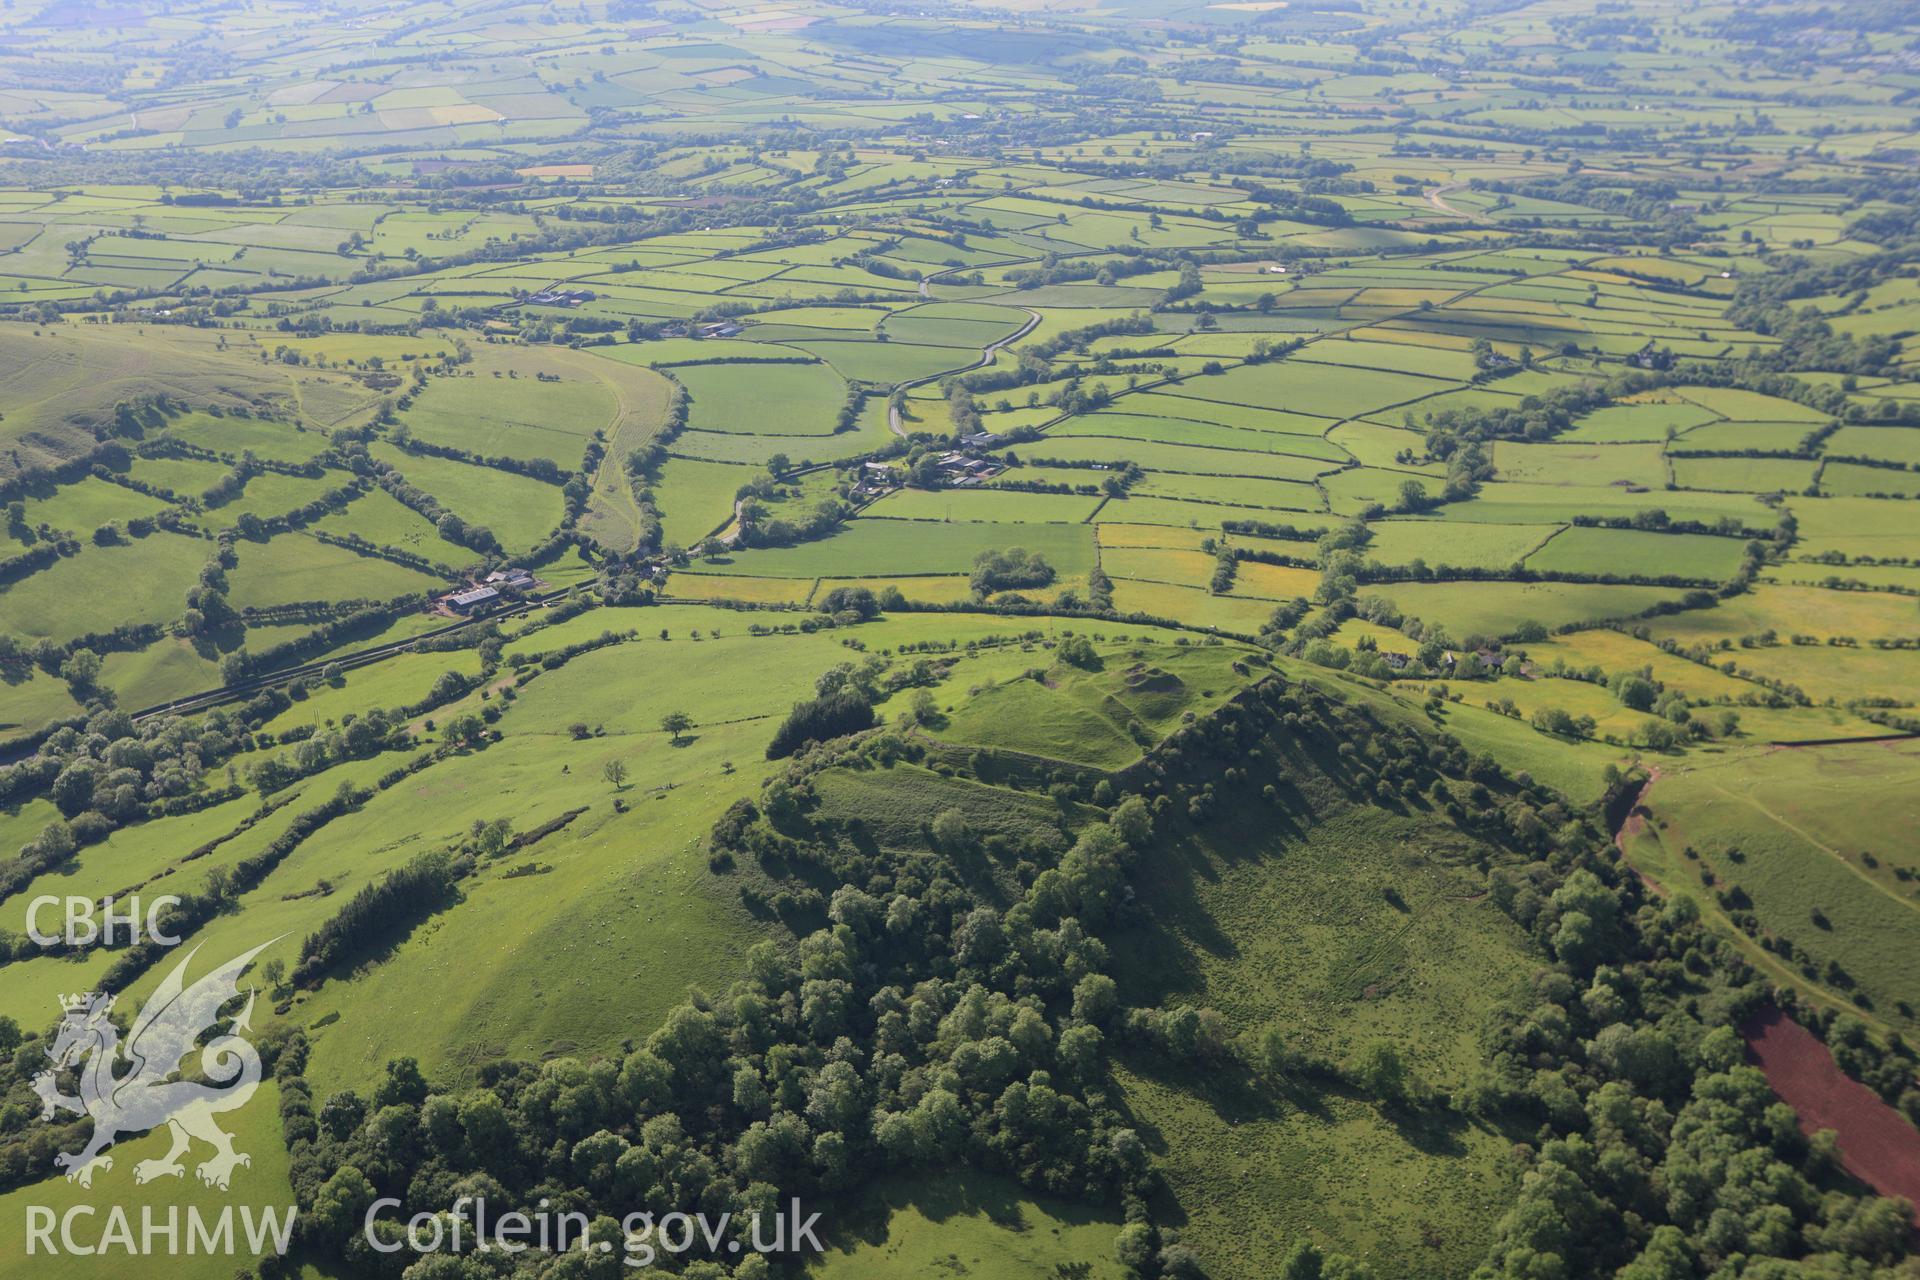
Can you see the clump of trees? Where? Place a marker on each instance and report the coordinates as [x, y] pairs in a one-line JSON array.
[[842, 704], [856, 603], [380, 915], [1011, 569], [105, 771]]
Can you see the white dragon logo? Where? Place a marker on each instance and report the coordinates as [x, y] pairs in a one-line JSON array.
[[143, 1097]]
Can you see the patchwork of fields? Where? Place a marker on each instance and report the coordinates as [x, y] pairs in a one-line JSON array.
[[1155, 639]]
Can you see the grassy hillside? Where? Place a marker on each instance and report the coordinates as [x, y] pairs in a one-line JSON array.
[[1339, 925], [1802, 852], [1130, 641]]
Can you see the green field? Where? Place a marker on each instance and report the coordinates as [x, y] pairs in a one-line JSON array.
[[1400, 971], [989, 1228], [89, 504], [774, 399], [1630, 552], [104, 586], [520, 510], [1154, 640], [1193, 606], [1579, 464], [987, 506], [876, 547], [294, 568], [1090, 718], [1482, 546], [1499, 608], [501, 407], [1744, 475], [697, 497], [385, 521]]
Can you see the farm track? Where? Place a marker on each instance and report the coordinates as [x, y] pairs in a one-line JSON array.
[[610, 477], [1831, 852], [1639, 820]]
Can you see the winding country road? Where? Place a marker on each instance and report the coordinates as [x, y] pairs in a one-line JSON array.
[[1437, 197], [992, 349], [987, 357]]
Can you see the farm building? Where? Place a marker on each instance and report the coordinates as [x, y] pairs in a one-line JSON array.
[[468, 601], [876, 478], [516, 578], [958, 469], [560, 297]]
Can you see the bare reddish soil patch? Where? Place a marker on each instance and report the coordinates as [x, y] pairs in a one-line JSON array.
[[1877, 1145], [1633, 825]]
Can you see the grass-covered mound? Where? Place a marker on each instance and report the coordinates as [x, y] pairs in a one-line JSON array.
[[897, 805], [1099, 716]]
